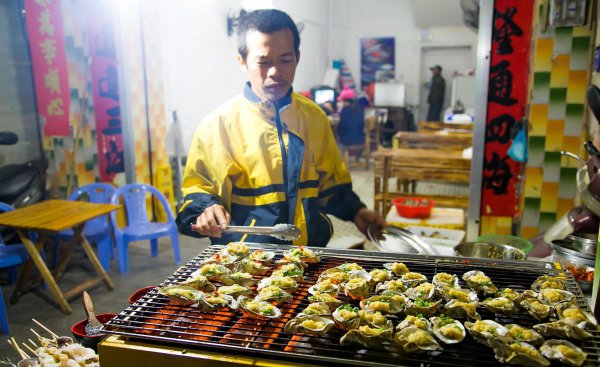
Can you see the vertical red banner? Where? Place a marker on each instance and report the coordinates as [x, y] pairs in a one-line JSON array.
[[50, 72], [507, 99], [105, 87]]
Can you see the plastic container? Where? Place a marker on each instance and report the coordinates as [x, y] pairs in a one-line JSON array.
[[421, 208], [90, 341], [512, 241]]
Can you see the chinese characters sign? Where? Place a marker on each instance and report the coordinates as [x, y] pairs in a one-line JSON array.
[[44, 25], [507, 98]]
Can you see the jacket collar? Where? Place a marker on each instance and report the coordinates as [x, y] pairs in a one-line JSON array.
[[280, 104]]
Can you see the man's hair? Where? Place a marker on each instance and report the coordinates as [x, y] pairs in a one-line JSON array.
[[265, 21]]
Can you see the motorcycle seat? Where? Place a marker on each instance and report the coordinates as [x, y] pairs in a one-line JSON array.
[[16, 181]]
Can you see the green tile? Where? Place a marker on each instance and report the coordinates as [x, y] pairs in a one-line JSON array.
[[574, 119], [551, 167], [532, 204], [536, 151], [562, 40], [556, 107], [568, 183], [89, 164], [541, 88], [546, 220]]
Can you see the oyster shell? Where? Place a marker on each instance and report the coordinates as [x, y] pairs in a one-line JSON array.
[[462, 310], [274, 295], [423, 307], [309, 325], [411, 279], [383, 304], [237, 249], [416, 321], [480, 283], [501, 305], [358, 285], [459, 294], [396, 297], [324, 286], [562, 329], [349, 267], [222, 258], [264, 256], [516, 352], [422, 291], [415, 340], [303, 254], [367, 337], [181, 295], [511, 294], [563, 351], [346, 317], [485, 330], [286, 283], [552, 297], [522, 334], [441, 280], [537, 309], [316, 309], [234, 290], [548, 281], [380, 275], [254, 267], [291, 270], [199, 282], [398, 269], [258, 309], [215, 301], [336, 276], [575, 315], [212, 272], [392, 285], [375, 319], [330, 300], [243, 279], [447, 330]]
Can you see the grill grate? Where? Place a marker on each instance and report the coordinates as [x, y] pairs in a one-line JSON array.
[[152, 320]]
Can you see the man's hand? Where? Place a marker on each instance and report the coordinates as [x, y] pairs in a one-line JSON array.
[[366, 218], [210, 223]]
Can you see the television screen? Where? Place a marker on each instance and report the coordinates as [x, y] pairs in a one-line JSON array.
[[324, 95]]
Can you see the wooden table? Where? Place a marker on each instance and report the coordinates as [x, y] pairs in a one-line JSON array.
[[47, 218], [419, 164], [433, 140], [438, 125]]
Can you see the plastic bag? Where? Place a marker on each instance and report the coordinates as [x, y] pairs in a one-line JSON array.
[[518, 148]]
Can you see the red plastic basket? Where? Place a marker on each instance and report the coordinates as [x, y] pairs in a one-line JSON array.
[[421, 209]]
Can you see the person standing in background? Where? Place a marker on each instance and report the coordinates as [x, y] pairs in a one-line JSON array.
[[437, 91]]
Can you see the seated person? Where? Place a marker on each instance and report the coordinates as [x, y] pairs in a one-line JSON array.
[[351, 129]]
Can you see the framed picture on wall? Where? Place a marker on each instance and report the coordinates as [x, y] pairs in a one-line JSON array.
[[376, 55]]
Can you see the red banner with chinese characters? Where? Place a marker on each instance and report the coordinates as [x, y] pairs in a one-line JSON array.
[[107, 109], [50, 72], [507, 99]]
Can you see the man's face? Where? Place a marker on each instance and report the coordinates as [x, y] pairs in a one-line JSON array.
[[271, 63]]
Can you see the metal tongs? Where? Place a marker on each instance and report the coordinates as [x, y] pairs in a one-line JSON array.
[[285, 232]]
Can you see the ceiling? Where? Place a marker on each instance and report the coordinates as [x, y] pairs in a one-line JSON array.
[[437, 13]]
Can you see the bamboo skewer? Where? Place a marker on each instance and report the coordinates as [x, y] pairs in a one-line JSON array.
[[45, 328], [28, 347], [33, 343], [14, 344], [36, 334]]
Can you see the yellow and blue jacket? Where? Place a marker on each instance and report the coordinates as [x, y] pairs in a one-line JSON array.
[[272, 162]]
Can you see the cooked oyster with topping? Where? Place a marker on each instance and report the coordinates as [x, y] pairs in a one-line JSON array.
[[563, 351], [330, 300], [274, 295], [537, 309], [181, 295], [234, 291], [511, 294], [447, 330], [459, 294], [562, 329], [415, 340], [422, 291], [411, 279], [391, 285], [198, 282], [302, 254], [265, 257], [527, 295], [442, 280], [380, 275], [237, 249], [243, 279], [552, 297], [423, 307], [398, 269], [366, 336], [499, 305], [462, 310], [358, 285], [547, 281], [212, 272], [416, 321], [346, 317], [383, 304], [291, 270], [254, 267], [286, 283], [522, 334], [575, 315], [336, 276], [222, 258], [309, 325], [215, 301], [349, 267], [258, 309], [375, 319], [484, 330], [316, 309], [516, 352], [324, 286], [396, 297], [480, 283]]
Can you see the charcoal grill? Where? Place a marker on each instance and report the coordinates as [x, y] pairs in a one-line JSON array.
[[157, 328]]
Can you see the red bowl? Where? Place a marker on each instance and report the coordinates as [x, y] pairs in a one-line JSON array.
[[90, 341], [140, 293], [422, 209]]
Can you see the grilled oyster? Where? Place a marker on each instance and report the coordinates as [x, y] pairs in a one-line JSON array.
[[480, 283], [562, 329], [265, 257], [309, 325], [291, 270], [302, 254], [198, 282], [375, 319], [441, 280], [258, 309], [501, 305], [286, 283], [423, 307], [552, 297], [485, 330], [181, 295], [391, 285], [324, 286], [398, 269], [411, 279], [215, 301], [366, 336], [511, 294], [516, 352], [349, 267], [346, 317], [221, 258], [380, 275], [274, 295], [447, 330], [563, 351], [548, 281], [462, 310], [316, 309], [383, 304], [237, 249], [334, 275], [415, 340], [459, 294], [358, 285], [575, 315], [330, 300], [416, 321], [537, 309], [396, 297], [254, 267], [234, 290], [522, 334], [243, 279], [422, 291], [212, 272]]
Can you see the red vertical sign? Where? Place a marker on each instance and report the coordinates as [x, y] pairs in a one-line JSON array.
[[50, 72], [507, 98]]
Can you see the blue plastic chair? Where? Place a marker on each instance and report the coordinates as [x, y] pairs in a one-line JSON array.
[[139, 227], [98, 230]]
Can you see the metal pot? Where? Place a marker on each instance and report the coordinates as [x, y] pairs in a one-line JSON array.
[[584, 242], [489, 251]]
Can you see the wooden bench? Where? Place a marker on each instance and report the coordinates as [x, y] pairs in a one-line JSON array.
[[435, 140], [438, 125]]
